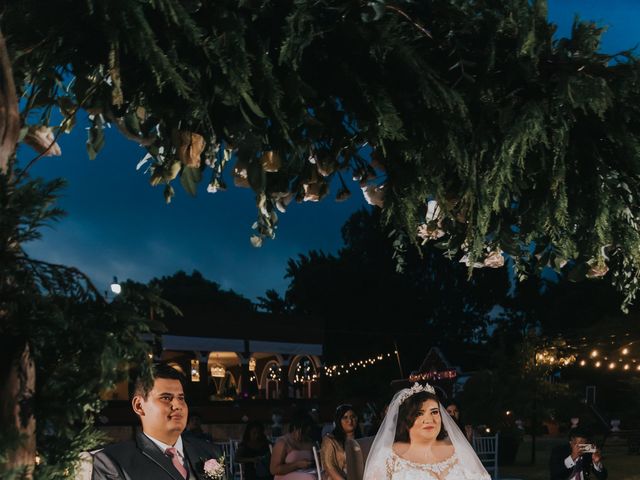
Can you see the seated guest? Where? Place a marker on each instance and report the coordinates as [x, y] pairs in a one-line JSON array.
[[254, 452], [334, 458], [453, 409], [579, 459], [292, 456], [194, 428]]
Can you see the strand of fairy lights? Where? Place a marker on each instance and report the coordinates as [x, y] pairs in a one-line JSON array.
[[345, 368], [619, 359]]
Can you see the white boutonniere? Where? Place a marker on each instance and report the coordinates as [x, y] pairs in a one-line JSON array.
[[214, 468]]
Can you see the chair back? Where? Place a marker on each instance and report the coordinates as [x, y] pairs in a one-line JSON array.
[[236, 467], [228, 450], [357, 452], [486, 448], [316, 457]]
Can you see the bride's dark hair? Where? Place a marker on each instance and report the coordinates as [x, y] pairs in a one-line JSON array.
[[408, 412]]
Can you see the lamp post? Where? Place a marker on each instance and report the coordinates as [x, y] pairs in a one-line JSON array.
[[116, 288]]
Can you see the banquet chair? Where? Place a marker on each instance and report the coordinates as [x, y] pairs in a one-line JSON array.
[[228, 451], [486, 448], [237, 467], [316, 457]]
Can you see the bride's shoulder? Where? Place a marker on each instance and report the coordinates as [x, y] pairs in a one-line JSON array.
[[399, 448], [445, 445], [445, 448]]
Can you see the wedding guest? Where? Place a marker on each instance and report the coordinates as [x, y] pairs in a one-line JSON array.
[[159, 451], [194, 429], [254, 452], [579, 459], [333, 453], [453, 409], [292, 456]]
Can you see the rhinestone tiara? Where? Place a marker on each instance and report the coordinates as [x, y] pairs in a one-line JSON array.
[[417, 388]]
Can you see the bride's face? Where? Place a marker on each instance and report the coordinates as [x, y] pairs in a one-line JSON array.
[[428, 422]]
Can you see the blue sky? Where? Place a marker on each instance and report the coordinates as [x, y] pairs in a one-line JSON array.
[[118, 225]]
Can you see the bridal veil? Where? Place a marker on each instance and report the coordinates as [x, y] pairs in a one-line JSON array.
[[382, 446]]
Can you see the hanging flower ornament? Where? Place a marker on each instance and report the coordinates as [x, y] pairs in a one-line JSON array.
[[373, 194], [432, 228], [495, 259]]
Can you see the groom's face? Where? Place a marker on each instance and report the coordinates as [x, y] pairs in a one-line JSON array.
[[164, 412]]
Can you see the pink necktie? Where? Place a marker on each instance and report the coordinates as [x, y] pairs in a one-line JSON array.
[[173, 454]]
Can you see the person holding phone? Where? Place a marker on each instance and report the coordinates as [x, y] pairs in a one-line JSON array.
[[580, 459]]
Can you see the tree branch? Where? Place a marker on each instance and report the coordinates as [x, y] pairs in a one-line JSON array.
[[415, 24]]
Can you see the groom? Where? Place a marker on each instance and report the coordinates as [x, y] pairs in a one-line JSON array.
[[159, 451]]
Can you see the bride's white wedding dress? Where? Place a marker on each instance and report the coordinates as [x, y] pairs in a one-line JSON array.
[[397, 468], [384, 464]]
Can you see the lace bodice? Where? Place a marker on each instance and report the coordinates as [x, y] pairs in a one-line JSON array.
[[397, 468]]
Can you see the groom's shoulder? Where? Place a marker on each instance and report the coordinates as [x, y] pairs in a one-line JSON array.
[[201, 444], [119, 449]]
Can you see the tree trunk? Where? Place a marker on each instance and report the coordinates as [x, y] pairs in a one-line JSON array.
[[18, 374], [16, 403], [9, 114]]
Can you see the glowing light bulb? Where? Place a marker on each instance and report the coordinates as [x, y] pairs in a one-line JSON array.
[[594, 353]]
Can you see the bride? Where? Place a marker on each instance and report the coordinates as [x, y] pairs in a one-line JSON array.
[[419, 440]]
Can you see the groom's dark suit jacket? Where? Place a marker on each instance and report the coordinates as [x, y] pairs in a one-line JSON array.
[[141, 459], [559, 471]]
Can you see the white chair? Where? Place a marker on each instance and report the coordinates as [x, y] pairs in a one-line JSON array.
[[229, 454], [487, 450], [237, 467], [316, 457]]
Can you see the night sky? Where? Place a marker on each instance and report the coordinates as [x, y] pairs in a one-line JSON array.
[[118, 225]]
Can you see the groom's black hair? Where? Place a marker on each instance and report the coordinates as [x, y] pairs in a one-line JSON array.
[[408, 412], [144, 384]]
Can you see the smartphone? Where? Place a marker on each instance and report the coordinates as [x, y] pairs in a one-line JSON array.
[[587, 448]]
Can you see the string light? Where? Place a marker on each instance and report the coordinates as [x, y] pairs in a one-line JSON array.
[[549, 357], [305, 372], [613, 353], [354, 366]]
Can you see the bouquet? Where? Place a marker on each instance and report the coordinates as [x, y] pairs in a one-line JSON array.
[[214, 469]]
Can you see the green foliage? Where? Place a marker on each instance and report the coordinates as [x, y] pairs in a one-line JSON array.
[[513, 382], [522, 138], [366, 304], [193, 295], [80, 344]]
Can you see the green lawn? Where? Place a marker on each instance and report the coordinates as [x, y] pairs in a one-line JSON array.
[[620, 465]]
